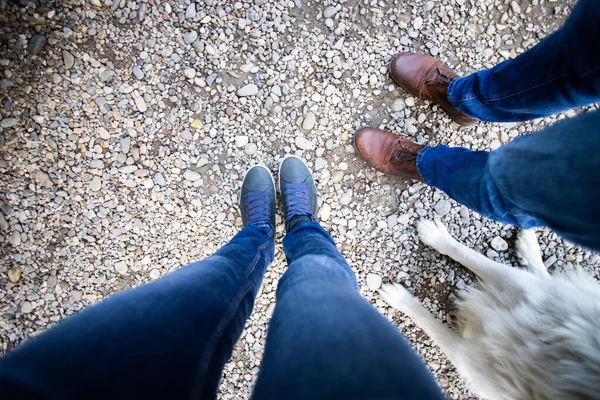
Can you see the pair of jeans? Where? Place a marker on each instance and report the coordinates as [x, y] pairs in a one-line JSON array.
[[548, 178], [171, 338]]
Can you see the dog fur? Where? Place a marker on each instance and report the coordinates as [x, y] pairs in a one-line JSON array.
[[524, 333]]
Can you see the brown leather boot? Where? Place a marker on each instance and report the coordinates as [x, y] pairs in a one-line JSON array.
[[387, 152], [427, 78]]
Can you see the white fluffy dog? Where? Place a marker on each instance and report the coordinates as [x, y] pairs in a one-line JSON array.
[[524, 334]]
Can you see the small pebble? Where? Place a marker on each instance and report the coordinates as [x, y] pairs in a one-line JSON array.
[[36, 44], [442, 207], [374, 281], [248, 90], [250, 149], [309, 121], [303, 143], [499, 244]]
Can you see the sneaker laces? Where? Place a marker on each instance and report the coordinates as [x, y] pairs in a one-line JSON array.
[[298, 200], [259, 207]]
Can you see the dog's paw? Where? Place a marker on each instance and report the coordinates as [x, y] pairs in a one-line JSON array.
[[434, 234], [527, 244], [528, 249], [398, 297]]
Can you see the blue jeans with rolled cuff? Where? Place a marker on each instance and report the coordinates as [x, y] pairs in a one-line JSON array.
[[559, 73], [548, 178]]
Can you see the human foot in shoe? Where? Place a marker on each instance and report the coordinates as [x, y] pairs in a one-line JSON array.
[[298, 191], [257, 198], [427, 78], [388, 153]]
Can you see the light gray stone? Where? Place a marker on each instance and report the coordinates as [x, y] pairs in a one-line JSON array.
[[97, 164], [403, 219], [309, 121], [190, 11], [392, 221], [95, 184], [8, 122], [303, 143], [3, 223], [26, 307], [159, 179], [186, 134], [210, 79], [499, 244], [374, 281], [140, 103], [398, 105], [250, 149], [345, 199], [107, 75], [125, 144], [417, 22], [248, 90], [320, 163], [103, 133], [190, 37], [191, 175], [137, 71], [189, 73], [442, 207], [241, 141], [68, 59], [154, 274], [330, 11], [15, 238], [515, 7], [121, 267], [166, 52], [325, 212], [43, 179]]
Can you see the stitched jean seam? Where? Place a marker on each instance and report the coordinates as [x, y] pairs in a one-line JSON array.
[[204, 363], [257, 257]]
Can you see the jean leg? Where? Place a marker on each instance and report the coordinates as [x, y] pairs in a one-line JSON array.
[[167, 339], [548, 178], [559, 73], [325, 341]]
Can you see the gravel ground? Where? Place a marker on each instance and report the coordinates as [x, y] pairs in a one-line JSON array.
[[125, 129]]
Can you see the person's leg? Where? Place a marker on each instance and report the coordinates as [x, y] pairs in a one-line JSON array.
[[559, 73], [325, 341], [548, 178], [168, 339]]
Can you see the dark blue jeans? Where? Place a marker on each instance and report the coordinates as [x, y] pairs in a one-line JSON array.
[[549, 178], [170, 339], [559, 73]]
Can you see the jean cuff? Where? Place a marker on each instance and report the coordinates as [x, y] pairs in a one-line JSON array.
[[308, 228], [424, 165], [264, 227], [455, 98], [450, 92], [308, 225]]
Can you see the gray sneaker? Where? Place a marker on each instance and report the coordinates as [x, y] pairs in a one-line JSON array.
[[257, 198], [298, 192]]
